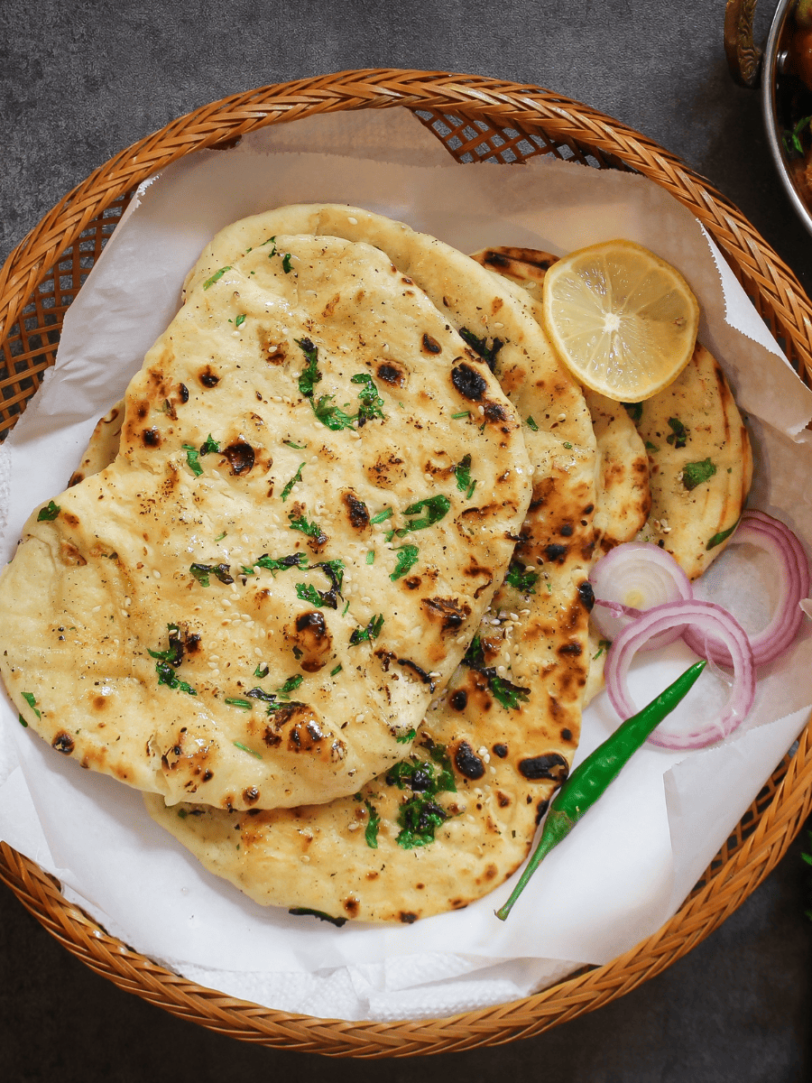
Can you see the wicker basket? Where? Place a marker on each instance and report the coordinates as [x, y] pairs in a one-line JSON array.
[[476, 118]]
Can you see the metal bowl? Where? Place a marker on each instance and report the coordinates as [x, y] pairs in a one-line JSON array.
[[750, 67]]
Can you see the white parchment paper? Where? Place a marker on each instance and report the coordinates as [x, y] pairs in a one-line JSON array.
[[632, 861]]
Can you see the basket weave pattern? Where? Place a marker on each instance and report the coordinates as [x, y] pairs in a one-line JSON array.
[[476, 118]]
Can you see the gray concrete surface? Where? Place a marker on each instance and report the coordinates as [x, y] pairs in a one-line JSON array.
[[78, 83]]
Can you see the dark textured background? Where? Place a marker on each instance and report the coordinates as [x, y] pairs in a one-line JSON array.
[[80, 82]]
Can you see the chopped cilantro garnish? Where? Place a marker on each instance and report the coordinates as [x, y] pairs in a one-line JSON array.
[[694, 474], [215, 277], [167, 676], [679, 434], [462, 413], [169, 660], [245, 748], [193, 459], [290, 685], [420, 815], [21, 720], [463, 474], [406, 737], [372, 631], [381, 516], [480, 346], [308, 593], [236, 701], [220, 537], [240, 320], [374, 822], [507, 693], [175, 653], [297, 447], [371, 401], [791, 138], [296, 477], [261, 670], [522, 580], [371, 556], [346, 607], [311, 374], [634, 410], [531, 424], [32, 703], [209, 445], [287, 266], [723, 535], [568, 445], [260, 693], [332, 416], [49, 512], [201, 572], [270, 240], [334, 570], [603, 645], [281, 564], [337, 669], [298, 522], [435, 508], [419, 818], [650, 446], [407, 558]]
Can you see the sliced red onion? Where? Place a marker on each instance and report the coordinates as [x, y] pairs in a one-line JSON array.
[[709, 619], [792, 577], [632, 578]]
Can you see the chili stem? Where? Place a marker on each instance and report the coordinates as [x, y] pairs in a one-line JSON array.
[[588, 781]]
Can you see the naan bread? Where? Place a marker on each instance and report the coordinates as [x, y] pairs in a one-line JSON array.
[[624, 496], [256, 602], [700, 463], [457, 817], [642, 490]]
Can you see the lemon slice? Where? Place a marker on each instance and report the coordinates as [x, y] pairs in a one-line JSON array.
[[623, 320]]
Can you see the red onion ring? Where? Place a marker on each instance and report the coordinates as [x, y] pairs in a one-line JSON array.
[[792, 570], [719, 625], [632, 578]]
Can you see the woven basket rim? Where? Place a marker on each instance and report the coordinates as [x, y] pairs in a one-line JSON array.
[[502, 103]]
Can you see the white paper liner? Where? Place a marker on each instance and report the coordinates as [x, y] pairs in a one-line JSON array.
[[629, 864]]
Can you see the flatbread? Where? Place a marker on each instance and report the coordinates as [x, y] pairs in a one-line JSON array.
[[226, 611], [623, 497], [700, 463], [457, 817]]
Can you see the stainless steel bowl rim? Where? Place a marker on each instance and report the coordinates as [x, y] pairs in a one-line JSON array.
[[770, 110]]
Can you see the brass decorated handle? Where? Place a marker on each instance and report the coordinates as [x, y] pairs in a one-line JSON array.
[[743, 55]]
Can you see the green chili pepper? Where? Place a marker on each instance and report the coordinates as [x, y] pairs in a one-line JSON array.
[[587, 782]]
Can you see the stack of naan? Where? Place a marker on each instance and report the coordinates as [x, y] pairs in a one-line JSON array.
[[320, 588]]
